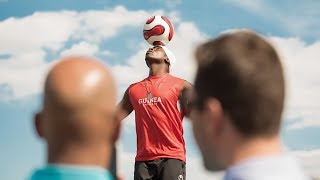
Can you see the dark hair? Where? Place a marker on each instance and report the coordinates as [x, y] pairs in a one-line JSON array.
[[243, 72]]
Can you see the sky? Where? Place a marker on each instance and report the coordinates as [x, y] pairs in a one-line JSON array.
[[36, 34]]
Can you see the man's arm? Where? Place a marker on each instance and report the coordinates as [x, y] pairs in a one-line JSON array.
[[184, 98], [123, 109]]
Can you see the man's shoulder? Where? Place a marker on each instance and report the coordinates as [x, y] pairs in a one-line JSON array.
[[282, 167], [70, 172], [176, 78], [135, 84]]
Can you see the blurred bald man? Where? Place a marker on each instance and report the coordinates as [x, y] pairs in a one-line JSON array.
[[77, 120]]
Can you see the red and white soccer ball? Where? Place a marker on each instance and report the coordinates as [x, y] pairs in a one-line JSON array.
[[158, 30]]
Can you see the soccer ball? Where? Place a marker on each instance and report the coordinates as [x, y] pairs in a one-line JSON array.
[[158, 30]]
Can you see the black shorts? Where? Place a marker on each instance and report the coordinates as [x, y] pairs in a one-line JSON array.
[[160, 169]]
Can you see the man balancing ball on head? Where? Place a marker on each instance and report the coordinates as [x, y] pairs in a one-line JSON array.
[[161, 151], [160, 144]]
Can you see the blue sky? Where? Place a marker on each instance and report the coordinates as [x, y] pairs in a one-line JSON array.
[[34, 34]]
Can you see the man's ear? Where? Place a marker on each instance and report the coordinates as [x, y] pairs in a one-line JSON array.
[[147, 63], [166, 60], [38, 124], [216, 115]]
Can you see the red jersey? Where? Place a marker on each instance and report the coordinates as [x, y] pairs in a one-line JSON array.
[[158, 119]]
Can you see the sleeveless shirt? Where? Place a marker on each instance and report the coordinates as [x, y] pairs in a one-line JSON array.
[[158, 119]]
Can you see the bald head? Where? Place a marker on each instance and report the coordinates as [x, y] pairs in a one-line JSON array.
[[79, 105], [77, 84]]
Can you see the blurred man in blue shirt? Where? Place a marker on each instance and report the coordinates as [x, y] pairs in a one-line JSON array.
[[76, 121]]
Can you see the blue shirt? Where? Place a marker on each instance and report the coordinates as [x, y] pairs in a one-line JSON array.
[[67, 172]]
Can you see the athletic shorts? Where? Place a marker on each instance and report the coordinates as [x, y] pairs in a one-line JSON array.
[[160, 169]]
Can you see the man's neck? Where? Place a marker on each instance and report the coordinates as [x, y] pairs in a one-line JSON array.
[[95, 156], [256, 147], [158, 69]]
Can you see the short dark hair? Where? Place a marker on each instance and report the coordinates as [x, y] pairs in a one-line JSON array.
[[243, 71]]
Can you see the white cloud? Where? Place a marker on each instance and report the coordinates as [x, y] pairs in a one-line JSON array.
[[39, 30], [26, 42], [82, 48], [303, 116], [186, 39], [299, 17], [134, 71], [23, 73], [97, 25], [300, 62]]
